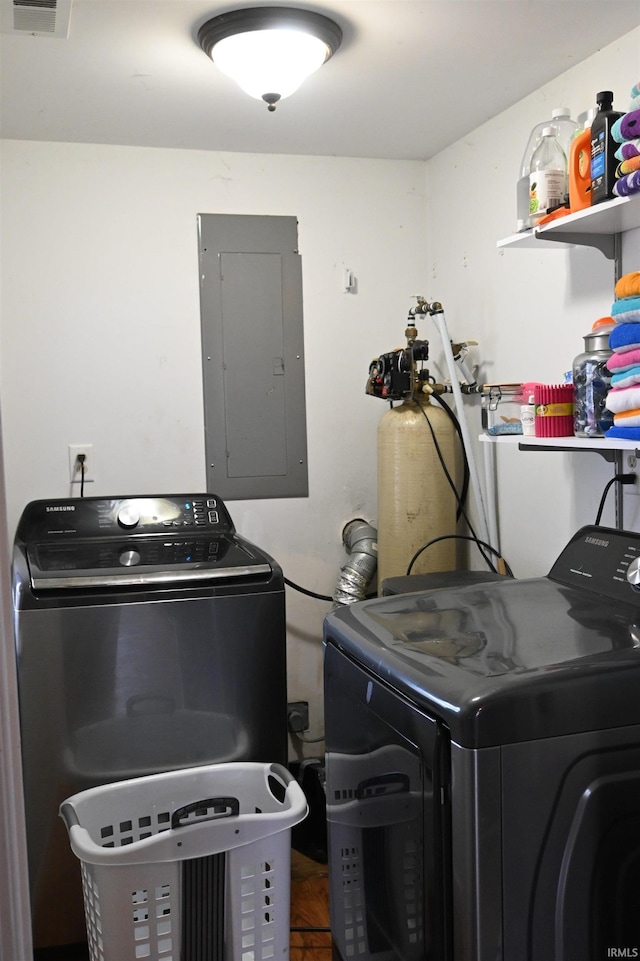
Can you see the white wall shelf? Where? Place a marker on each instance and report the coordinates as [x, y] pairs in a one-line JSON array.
[[601, 445], [592, 227], [601, 226]]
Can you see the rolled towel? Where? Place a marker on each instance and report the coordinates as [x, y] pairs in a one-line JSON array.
[[630, 148], [628, 285], [626, 127], [616, 133], [629, 317], [629, 125], [629, 302], [628, 185], [623, 433], [624, 337], [626, 310], [626, 378], [628, 166], [627, 418], [619, 362], [622, 398]]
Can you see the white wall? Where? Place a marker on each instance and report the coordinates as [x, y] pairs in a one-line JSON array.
[[101, 334], [101, 343], [528, 309]]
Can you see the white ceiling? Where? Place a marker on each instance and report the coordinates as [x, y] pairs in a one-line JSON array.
[[411, 76]]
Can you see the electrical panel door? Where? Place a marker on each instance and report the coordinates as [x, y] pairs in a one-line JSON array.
[[253, 356]]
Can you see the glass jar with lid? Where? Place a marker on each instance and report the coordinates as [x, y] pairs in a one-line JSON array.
[[501, 408], [591, 382]]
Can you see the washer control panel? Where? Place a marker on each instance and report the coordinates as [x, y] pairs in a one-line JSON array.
[[633, 573], [97, 517], [602, 560], [201, 511]]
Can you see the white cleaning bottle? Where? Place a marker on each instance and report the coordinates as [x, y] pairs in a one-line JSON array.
[[567, 129], [548, 176]]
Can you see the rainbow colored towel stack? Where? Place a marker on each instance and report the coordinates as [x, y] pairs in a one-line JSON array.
[[626, 132], [623, 398]]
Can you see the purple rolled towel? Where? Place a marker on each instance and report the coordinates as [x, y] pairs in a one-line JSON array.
[[630, 125], [626, 127], [628, 185], [628, 149]]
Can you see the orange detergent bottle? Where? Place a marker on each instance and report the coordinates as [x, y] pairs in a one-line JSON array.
[[580, 168]]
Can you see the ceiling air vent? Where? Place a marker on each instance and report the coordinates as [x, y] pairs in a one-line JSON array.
[[37, 18]]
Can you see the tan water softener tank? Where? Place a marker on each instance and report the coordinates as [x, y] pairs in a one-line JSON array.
[[415, 501]]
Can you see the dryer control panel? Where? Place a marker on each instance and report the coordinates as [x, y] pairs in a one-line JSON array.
[[95, 517], [602, 560]]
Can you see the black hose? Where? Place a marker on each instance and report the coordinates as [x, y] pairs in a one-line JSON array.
[[452, 485], [462, 537], [303, 590]]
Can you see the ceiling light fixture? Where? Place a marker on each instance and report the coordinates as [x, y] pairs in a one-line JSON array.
[[269, 51]]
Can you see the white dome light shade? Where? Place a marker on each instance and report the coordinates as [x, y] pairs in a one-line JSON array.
[[269, 51], [270, 61]]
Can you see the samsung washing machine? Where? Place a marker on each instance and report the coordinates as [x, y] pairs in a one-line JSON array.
[[149, 637], [483, 765]]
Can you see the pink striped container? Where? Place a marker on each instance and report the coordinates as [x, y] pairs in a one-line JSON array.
[[554, 410]]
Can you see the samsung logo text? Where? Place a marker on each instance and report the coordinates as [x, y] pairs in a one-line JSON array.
[[598, 542]]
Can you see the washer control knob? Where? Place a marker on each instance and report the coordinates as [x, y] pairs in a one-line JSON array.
[[633, 573], [129, 558], [128, 516]]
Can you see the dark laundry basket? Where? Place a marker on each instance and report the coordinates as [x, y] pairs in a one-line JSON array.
[[188, 864]]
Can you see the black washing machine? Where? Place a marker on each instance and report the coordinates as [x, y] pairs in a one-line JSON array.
[[483, 765], [150, 637]]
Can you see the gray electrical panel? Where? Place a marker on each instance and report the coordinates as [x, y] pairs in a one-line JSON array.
[[252, 356]]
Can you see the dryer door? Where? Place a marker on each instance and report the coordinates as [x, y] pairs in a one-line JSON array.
[[572, 847], [388, 820]]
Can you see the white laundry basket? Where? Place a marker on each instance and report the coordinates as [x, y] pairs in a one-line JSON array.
[[190, 865]]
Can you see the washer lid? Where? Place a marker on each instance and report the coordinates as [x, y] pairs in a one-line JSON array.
[[510, 660], [130, 561]]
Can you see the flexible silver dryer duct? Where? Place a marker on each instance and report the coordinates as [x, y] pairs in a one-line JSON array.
[[361, 540]]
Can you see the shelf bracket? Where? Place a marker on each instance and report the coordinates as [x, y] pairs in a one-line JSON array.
[[609, 454], [605, 243]]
